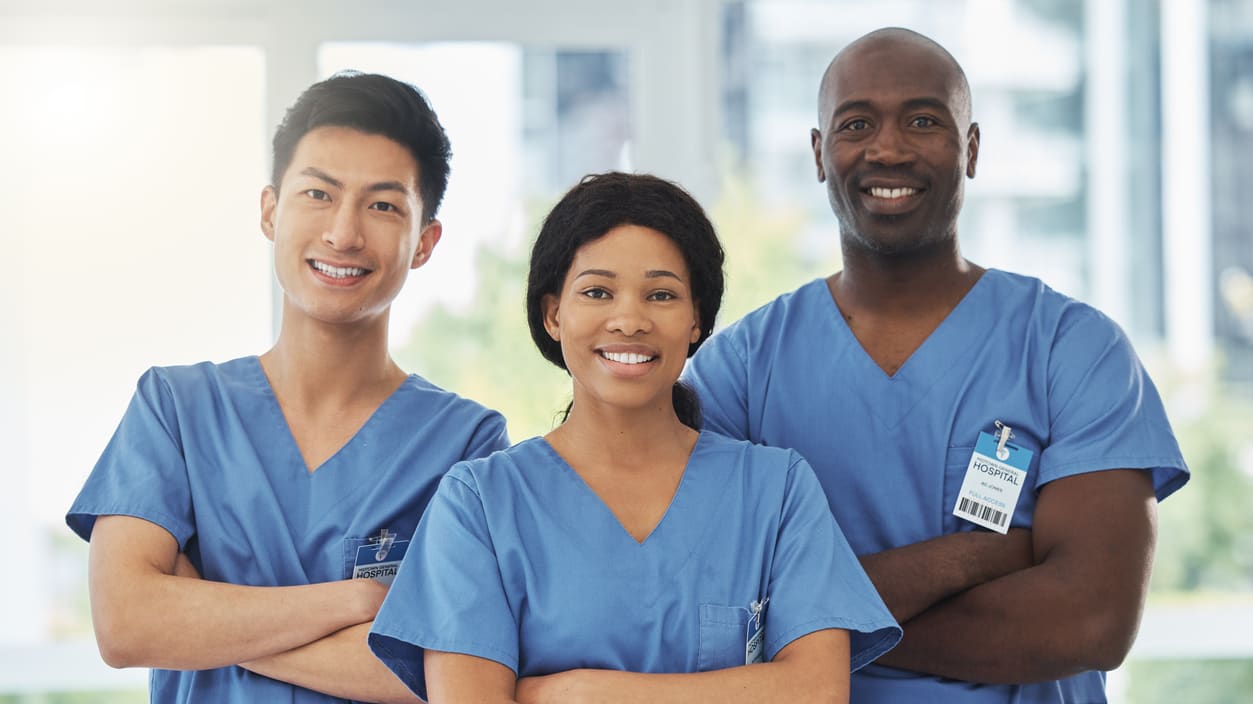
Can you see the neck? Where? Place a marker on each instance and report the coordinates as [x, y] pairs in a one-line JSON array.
[[903, 284], [615, 437], [314, 363]]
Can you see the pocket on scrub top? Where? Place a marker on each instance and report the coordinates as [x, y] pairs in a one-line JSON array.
[[351, 546], [956, 462], [723, 636]]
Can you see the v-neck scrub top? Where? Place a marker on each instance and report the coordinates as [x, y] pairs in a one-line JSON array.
[[518, 561], [891, 451], [205, 452]]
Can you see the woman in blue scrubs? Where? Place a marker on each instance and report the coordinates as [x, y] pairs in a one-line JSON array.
[[627, 554]]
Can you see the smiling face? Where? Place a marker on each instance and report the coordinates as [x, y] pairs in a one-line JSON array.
[[895, 143], [346, 225], [625, 319]]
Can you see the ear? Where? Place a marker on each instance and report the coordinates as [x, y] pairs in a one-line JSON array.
[[269, 202], [426, 243], [815, 143], [695, 336], [552, 318], [972, 149]]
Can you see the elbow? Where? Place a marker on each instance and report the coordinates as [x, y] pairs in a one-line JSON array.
[[116, 652], [118, 644], [1107, 640]]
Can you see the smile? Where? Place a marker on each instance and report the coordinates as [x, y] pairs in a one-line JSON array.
[[627, 357], [337, 272], [891, 193]]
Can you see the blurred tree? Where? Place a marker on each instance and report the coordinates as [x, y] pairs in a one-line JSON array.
[[1205, 536], [1205, 546]]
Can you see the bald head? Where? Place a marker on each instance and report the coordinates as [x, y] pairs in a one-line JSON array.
[[895, 143], [914, 51]]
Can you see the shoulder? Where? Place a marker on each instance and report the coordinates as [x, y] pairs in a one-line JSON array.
[[191, 382], [811, 299], [1061, 329], [760, 331], [758, 463], [1033, 301], [502, 467], [429, 399]]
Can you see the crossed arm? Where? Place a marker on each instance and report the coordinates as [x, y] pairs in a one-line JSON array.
[[812, 668], [1028, 607], [150, 609]]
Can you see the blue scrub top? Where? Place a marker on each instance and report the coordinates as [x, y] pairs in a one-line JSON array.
[[205, 452], [891, 451], [518, 561]]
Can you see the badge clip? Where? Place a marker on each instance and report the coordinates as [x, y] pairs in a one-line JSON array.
[[1004, 435], [756, 608], [385, 539]]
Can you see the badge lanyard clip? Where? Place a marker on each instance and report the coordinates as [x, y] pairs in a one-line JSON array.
[[1004, 435], [755, 610], [385, 539]]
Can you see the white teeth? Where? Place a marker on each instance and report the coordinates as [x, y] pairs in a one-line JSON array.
[[880, 192], [626, 357], [338, 272]]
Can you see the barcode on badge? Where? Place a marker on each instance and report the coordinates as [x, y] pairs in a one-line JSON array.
[[983, 512]]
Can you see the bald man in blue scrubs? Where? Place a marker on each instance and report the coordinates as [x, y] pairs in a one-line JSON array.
[[993, 450]]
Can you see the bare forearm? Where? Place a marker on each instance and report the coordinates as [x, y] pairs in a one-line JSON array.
[[1077, 610], [149, 607], [750, 684], [340, 665], [1032, 626], [178, 623], [814, 671], [913, 578]]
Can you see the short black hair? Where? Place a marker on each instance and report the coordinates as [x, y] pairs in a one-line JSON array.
[[373, 104], [598, 204]]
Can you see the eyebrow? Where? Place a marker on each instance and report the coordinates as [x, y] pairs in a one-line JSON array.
[[912, 103], [372, 188], [651, 274]]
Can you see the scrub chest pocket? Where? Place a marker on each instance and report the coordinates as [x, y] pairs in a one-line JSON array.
[[723, 636]]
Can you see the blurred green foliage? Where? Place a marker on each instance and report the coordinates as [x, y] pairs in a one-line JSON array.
[[1205, 543], [1205, 534]]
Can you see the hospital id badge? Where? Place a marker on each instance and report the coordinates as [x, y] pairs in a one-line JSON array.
[[755, 633], [993, 482], [379, 559]]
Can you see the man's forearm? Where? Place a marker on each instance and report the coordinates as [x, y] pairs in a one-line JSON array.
[[1077, 610], [1017, 629], [178, 623], [150, 610], [340, 665], [913, 578]]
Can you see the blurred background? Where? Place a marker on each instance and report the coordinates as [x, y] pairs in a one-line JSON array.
[[1116, 164]]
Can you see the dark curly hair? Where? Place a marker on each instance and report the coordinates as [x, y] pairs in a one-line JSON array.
[[598, 204], [373, 104]]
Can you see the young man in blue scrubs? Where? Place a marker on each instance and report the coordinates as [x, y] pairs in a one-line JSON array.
[[993, 450], [246, 516]]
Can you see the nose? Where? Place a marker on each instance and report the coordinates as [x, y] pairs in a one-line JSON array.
[[889, 147], [343, 232], [629, 317]]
